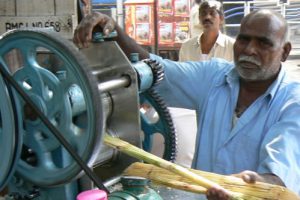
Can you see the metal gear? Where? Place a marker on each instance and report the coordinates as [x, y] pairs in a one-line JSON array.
[[160, 122]]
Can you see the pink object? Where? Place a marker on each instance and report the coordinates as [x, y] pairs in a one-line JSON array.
[[92, 195]]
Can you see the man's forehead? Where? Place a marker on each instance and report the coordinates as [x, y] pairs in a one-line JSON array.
[[258, 34], [264, 20], [265, 27], [253, 31]]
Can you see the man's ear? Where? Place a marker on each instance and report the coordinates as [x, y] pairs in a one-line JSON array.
[[286, 51], [222, 20]]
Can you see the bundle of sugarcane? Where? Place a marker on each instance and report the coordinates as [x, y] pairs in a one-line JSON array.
[[258, 190], [192, 181]]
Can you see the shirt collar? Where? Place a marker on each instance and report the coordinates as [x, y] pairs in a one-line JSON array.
[[232, 77], [276, 84], [220, 40]]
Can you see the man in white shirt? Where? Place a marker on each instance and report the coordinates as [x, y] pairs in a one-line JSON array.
[[210, 43]]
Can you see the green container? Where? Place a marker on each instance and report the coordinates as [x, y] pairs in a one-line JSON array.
[[134, 188]]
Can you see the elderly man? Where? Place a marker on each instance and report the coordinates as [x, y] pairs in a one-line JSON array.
[[248, 111]]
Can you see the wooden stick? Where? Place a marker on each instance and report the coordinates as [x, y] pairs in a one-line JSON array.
[[152, 159]]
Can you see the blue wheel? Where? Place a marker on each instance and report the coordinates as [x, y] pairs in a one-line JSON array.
[[56, 77], [10, 136]]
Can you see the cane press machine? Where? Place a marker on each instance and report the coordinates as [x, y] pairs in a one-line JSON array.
[[57, 102]]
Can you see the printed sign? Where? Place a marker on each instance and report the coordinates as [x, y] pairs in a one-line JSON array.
[[181, 31], [143, 33], [165, 33], [142, 13], [182, 8], [165, 7], [61, 24]]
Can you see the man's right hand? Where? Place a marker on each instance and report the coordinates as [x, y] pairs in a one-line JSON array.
[[95, 21], [98, 22]]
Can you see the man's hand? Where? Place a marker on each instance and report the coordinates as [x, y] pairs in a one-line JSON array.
[[250, 177], [215, 193], [99, 22], [84, 31]]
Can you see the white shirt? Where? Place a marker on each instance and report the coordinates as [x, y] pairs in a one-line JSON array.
[[191, 49]]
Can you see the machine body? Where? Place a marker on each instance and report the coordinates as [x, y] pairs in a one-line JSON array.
[[83, 94]]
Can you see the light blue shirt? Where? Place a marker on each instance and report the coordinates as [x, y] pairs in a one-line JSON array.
[[265, 139]]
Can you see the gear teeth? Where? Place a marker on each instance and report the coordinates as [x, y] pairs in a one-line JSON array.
[[167, 117], [158, 75], [157, 70]]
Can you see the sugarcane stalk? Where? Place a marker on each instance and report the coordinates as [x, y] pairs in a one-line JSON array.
[[259, 190], [136, 152]]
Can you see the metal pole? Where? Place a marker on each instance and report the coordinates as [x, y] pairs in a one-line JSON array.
[[120, 15], [114, 84], [155, 15]]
